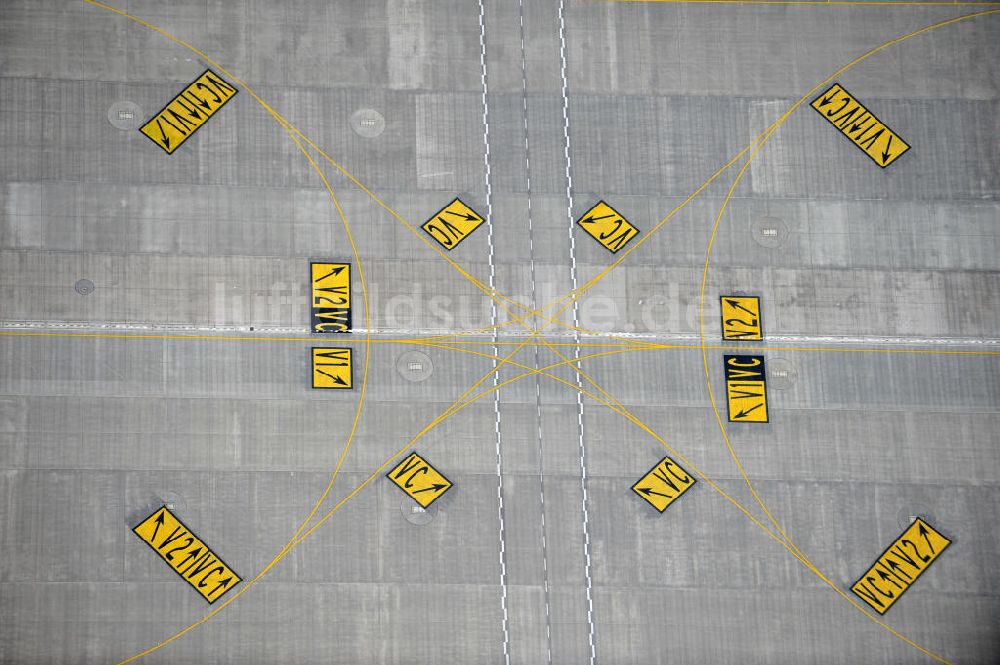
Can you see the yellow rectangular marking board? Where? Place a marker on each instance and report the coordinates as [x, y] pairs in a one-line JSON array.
[[331, 368], [607, 226], [421, 481], [452, 224], [186, 555], [188, 111], [899, 566], [664, 484], [860, 125], [330, 304], [741, 319], [746, 389]]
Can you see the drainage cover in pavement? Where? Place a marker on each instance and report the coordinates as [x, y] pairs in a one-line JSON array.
[[125, 115], [769, 232], [84, 287], [414, 366], [368, 123]]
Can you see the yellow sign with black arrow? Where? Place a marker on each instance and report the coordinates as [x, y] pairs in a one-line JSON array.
[[899, 566], [860, 125], [741, 319], [452, 224], [331, 368], [188, 111], [746, 389], [186, 555], [330, 305], [664, 484], [421, 481], [608, 227]]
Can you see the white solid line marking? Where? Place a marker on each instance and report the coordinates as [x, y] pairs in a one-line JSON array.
[[177, 328]]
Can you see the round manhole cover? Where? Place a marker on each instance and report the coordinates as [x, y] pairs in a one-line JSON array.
[[781, 373], [415, 366], [125, 115], [84, 287], [769, 232], [416, 514], [368, 123]]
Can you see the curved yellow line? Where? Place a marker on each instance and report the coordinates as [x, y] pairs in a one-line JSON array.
[[704, 282]]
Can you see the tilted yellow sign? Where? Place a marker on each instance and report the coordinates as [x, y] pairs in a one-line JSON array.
[[664, 484], [741, 319], [186, 555], [330, 305], [860, 125], [422, 482], [452, 224], [746, 389], [331, 368], [900, 565], [188, 111], [607, 226]]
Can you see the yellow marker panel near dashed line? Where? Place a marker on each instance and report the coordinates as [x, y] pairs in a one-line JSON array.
[[607, 226], [746, 389], [330, 305], [331, 368], [860, 125], [899, 566], [188, 111], [664, 484], [452, 224], [186, 555], [421, 481], [741, 319]]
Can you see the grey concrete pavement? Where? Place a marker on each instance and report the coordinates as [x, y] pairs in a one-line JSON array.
[[182, 377]]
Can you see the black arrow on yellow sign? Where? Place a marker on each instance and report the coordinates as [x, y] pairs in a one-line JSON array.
[[333, 271], [885, 153], [735, 304], [335, 379], [593, 218], [433, 488], [463, 215], [648, 491], [159, 523], [827, 99], [923, 532], [746, 412]]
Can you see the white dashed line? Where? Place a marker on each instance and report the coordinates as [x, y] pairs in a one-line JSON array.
[[534, 303], [493, 321], [576, 323]]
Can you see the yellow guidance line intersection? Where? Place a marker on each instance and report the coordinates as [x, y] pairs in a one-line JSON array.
[[565, 300]]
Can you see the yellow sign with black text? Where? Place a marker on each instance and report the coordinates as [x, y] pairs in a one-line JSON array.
[[607, 226], [860, 125], [186, 555], [330, 305], [331, 368], [664, 484], [188, 111], [422, 482], [900, 565], [741, 319], [452, 224], [746, 389]]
